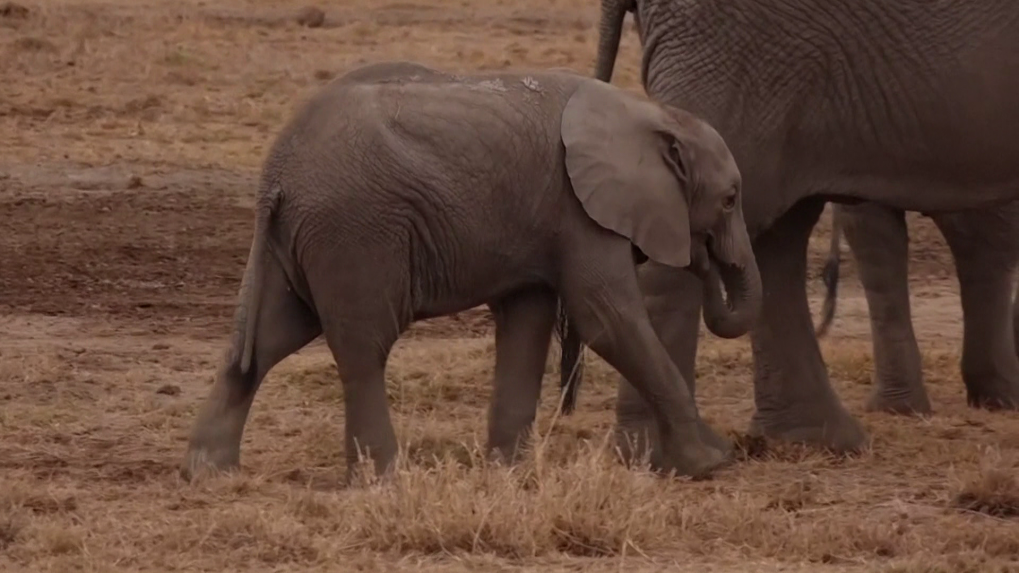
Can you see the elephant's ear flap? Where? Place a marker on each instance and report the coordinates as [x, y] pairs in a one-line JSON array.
[[625, 168]]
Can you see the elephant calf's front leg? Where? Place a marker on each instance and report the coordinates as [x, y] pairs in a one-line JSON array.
[[523, 332], [673, 300], [609, 313]]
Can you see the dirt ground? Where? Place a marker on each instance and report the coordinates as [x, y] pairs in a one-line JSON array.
[[132, 135]]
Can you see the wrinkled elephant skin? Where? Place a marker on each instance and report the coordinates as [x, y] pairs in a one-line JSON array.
[[907, 104], [400, 192]]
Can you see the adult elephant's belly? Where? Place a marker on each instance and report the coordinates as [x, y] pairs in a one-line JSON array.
[[931, 158], [928, 192]]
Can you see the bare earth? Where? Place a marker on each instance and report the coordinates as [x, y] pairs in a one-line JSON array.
[[132, 132]]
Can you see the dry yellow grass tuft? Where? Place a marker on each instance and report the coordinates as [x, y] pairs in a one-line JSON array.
[[993, 490]]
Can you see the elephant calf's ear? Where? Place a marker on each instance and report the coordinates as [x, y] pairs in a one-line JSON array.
[[614, 157]]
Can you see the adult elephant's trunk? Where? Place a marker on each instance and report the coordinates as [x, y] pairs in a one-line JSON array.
[[732, 263], [610, 30]]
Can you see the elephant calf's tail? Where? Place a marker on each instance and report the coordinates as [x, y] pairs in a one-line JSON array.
[[830, 275], [251, 285], [570, 367]]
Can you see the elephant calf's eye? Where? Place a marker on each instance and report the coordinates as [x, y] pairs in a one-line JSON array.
[[729, 203]]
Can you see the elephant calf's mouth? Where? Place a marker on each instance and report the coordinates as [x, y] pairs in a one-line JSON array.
[[731, 314]]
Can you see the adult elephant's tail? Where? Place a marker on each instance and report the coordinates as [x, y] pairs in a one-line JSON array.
[[830, 273], [610, 31], [570, 366]]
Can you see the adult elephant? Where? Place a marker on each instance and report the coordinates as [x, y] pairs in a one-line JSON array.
[[985, 246], [909, 104]]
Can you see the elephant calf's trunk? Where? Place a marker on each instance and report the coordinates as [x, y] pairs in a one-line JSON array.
[[734, 317]]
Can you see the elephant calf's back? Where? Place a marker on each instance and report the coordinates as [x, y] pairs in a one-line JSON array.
[[454, 196]]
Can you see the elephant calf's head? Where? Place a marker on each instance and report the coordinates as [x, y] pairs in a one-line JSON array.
[[666, 180]]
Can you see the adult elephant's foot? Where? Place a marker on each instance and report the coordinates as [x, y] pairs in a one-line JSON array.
[[906, 402], [990, 371], [824, 426], [995, 394]]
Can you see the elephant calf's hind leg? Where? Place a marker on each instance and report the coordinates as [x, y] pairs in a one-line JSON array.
[[368, 432], [285, 325]]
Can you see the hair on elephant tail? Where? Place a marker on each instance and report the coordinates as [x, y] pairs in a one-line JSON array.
[[830, 274], [570, 365], [251, 285]]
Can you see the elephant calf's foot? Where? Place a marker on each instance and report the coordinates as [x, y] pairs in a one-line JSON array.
[[202, 461], [908, 402], [1000, 394], [509, 455], [698, 461], [631, 439], [713, 439], [828, 427]]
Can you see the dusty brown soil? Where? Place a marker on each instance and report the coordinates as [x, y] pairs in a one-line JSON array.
[[132, 134]]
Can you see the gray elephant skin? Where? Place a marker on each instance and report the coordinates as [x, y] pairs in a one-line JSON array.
[[908, 104], [400, 193], [985, 246]]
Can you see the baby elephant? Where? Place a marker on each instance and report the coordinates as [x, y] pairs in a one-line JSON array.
[[400, 193]]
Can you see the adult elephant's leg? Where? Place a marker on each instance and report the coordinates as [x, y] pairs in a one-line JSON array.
[[673, 298], [983, 244], [794, 398], [878, 238], [523, 331]]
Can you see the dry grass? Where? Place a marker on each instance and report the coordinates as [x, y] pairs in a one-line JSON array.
[[89, 477], [193, 83], [96, 401]]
